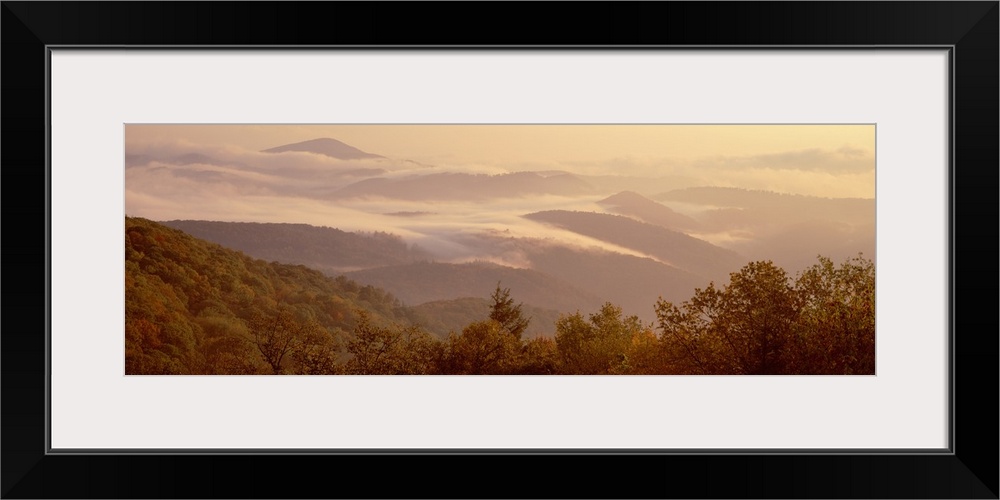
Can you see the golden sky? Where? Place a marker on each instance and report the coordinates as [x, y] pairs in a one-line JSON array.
[[535, 143], [220, 172]]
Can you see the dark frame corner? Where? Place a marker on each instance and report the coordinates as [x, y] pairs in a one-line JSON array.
[[971, 28]]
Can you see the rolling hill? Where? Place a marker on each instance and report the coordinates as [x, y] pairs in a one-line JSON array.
[[789, 229], [442, 317], [774, 207], [327, 249], [635, 205], [423, 282], [327, 147], [465, 187], [670, 247]]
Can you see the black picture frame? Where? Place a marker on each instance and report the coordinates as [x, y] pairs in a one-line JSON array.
[[970, 470]]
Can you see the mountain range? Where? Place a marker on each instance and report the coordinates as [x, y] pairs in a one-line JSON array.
[[567, 242]]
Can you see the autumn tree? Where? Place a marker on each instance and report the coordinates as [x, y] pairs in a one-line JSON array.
[[317, 353], [763, 323], [837, 320], [606, 342], [747, 327], [539, 356], [483, 348], [233, 355], [229, 347], [278, 335], [391, 350], [506, 313], [687, 333]]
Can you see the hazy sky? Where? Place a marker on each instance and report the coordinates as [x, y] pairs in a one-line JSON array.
[[232, 179], [219, 172], [506, 144]]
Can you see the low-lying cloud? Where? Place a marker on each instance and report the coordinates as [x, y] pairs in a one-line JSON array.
[[182, 180]]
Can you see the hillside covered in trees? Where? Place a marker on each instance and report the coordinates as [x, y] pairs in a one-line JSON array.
[[191, 307], [323, 248], [194, 307]]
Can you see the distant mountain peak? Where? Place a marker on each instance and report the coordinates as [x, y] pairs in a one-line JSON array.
[[635, 205], [325, 146], [623, 197]]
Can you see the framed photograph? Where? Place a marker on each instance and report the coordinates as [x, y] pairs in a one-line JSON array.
[[478, 160]]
